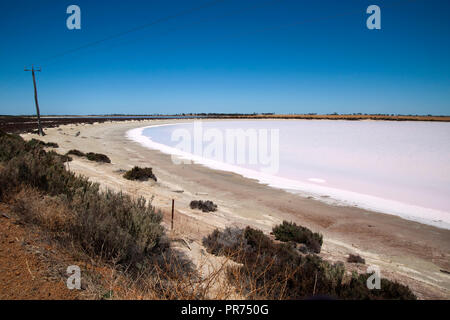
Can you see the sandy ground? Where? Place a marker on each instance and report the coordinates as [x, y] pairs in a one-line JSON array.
[[410, 252]]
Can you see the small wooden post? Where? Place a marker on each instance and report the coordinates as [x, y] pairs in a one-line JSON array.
[[315, 282], [173, 205]]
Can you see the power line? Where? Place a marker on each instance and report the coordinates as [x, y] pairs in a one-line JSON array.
[[231, 36], [94, 43], [144, 26], [257, 6]]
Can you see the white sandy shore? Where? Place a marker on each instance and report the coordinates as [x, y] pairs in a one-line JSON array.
[[407, 251]]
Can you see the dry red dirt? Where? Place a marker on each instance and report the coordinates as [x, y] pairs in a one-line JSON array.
[[24, 271]]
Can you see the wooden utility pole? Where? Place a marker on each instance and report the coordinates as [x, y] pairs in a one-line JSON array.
[[40, 131]]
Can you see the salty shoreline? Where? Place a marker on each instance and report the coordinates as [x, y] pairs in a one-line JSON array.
[[409, 251]]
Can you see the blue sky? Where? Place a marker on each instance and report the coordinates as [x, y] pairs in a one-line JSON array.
[[232, 56]]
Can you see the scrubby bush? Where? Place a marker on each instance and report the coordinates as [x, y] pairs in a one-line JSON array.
[[141, 174], [288, 231], [34, 142], [65, 158], [97, 157], [227, 242], [44, 171], [205, 206], [115, 225], [357, 289], [76, 152], [112, 225], [277, 271], [355, 259], [52, 145], [13, 145]]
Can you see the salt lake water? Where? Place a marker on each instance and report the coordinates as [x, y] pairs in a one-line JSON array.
[[400, 168]]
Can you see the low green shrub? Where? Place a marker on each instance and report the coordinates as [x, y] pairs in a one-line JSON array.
[[141, 174], [13, 145], [357, 289], [355, 259], [42, 143], [97, 157], [76, 152], [226, 242], [44, 171], [205, 206], [273, 270], [288, 231], [116, 226], [65, 158], [52, 145]]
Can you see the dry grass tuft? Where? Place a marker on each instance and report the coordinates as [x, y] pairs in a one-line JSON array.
[[48, 212]]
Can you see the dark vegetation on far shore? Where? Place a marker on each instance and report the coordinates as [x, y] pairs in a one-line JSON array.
[[280, 271], [23, 124], [125, 234], [205, 206], [28, 124], [140, 174]]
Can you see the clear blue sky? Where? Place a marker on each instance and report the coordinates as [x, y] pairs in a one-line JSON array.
[[287, 56]]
